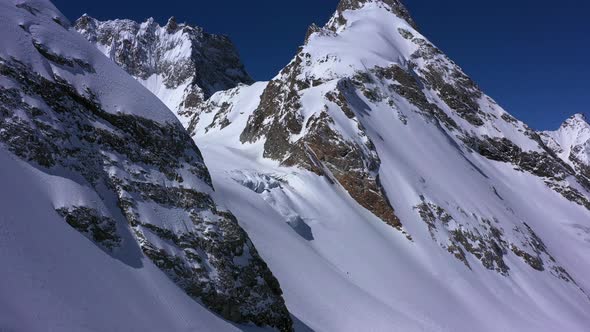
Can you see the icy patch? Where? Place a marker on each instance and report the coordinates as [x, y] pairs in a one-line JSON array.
[[273, 190]]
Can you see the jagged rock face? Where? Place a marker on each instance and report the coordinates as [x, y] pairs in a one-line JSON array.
[[179, 63], [150, 176], [453, 87], [543, 164], [571, 142]]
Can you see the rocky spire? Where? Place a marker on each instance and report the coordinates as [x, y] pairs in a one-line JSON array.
[[172, 25]]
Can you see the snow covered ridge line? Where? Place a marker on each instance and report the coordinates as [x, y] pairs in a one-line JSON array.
[[138, 185], [181, 64], [571, 142]]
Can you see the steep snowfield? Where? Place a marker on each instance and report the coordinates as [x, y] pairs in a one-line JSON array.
[[53, 279], [343, 269]]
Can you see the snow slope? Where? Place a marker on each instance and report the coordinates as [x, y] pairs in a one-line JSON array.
[[53, 279]]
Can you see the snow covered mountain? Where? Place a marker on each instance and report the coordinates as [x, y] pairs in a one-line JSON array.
[[179, 63], [571, 142], [382, 187], [83, 144], [387, 191]]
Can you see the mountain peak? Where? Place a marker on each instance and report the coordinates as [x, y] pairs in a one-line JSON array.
[[395, 6], [356, 4], [571, 142], [579, 117], [576, 121]]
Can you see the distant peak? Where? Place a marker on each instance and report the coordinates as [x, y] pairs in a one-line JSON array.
[[85, 22], [579, 117], [356, 4], [395, 6], [172, 25], [576, 121]]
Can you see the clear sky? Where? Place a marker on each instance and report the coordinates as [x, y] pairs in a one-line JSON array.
[[531, 56]]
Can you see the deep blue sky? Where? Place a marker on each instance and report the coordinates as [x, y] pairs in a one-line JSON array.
[[531, 56]]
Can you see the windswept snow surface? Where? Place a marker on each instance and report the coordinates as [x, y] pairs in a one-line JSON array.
[[54, 279]]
